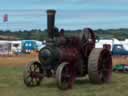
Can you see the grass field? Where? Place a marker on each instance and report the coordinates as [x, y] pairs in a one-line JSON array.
[[11, 82]]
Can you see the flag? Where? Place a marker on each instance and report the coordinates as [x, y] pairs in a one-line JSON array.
[[5, 18]]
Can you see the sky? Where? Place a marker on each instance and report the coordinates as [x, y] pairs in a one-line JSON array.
[[71, 14]]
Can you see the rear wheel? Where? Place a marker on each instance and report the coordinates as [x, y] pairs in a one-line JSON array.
[[87, 37], [64, 76], [33, 74], [100, 66]]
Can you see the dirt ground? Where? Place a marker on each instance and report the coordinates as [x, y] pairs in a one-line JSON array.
[[22, 60], [17, 60]]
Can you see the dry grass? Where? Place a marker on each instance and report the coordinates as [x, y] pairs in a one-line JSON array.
[[11, 82], [22, 60], [120, 60]]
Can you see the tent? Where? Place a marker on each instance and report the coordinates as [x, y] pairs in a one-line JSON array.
[[100, 43], [5, 48], [16, 46]]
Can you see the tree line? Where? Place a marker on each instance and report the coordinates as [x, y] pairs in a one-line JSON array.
[[36, 34]]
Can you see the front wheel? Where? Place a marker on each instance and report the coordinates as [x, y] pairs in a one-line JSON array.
[[33, 74], [64, 76]]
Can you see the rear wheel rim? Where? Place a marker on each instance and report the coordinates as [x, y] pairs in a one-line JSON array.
[[100, 66], [104, 66]]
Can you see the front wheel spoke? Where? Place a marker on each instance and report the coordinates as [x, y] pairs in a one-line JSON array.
[[33, 81], [28, 79], [35, 74], [32, 67], [37, 69], [37, 79]]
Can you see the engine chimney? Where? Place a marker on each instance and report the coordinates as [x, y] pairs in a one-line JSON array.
[[51, 22]]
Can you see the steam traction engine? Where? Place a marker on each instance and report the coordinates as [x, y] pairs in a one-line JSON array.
[[67, 58]]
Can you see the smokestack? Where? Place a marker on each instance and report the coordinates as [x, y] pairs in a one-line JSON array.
[[51, 22]]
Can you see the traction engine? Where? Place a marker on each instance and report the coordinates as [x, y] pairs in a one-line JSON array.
[[67, 58]]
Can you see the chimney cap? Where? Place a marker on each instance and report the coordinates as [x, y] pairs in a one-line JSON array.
[[51, 11]]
